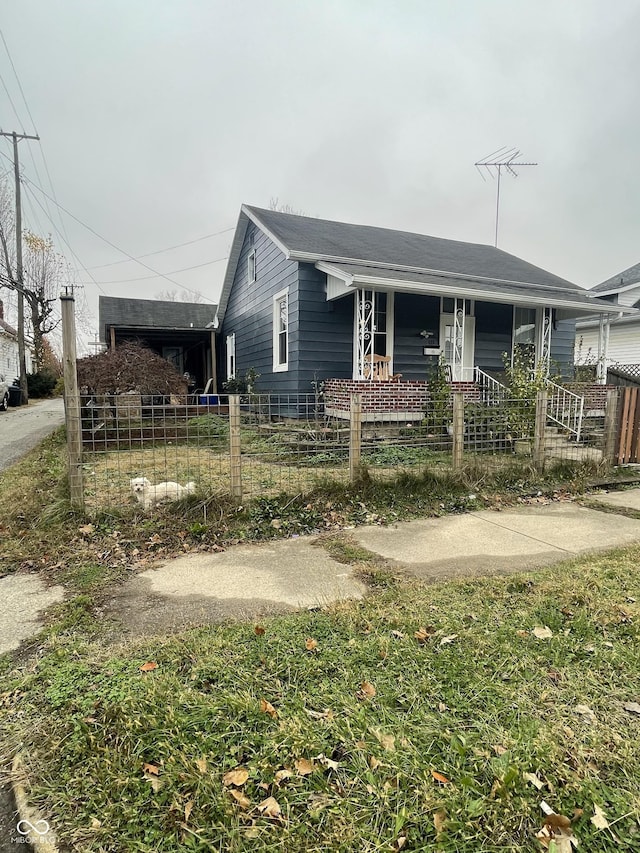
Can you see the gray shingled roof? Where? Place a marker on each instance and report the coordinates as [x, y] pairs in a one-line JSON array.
[[153, 313], [622, 279], [8, 329], [325, 239]]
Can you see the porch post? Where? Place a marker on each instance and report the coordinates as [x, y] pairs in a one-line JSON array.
[[603, 350], [543, 344], [457, 360], [364, 332]]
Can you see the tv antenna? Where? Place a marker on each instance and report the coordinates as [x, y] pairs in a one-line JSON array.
[[503, 158]]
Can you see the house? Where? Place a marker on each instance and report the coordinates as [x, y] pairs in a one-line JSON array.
[[307, 300], [181, 332], [9, 359], [619, 346]]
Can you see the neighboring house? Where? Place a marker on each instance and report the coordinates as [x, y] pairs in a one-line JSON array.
[[9, 360], [621, 341], [308, 299], [181, 332]]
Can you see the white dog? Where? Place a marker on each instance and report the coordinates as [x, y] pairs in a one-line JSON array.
[[149, 495]]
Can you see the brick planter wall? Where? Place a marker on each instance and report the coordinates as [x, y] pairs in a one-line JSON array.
[[386, 401], [595, 396]]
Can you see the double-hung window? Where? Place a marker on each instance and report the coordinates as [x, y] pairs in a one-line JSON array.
[[231, 356], [281, 331]]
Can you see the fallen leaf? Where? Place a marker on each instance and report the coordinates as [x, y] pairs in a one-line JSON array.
[[147, 667], [329, 763], [387, 742], [270, 807], [276, 523], [522, 633], [374, 763], [586, 712], [442, 707], [155, 783], [95, 823], [399, 843], [632, 707], [499, 749], [252, 832], [281, 775], [440, 778], [439, 821], [151, 768], [267, 708], [236, 777], [310, 644], [304, 766], [240, 797], [367, 691], [423, 634], [599, 819], [259, 630], [86, 530], [398, 635], [448, 639], [201, 764], [535, 780], [542, 633], [187, 811], [557, 821], [327, 714]]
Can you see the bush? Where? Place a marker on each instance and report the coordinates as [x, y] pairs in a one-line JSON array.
[[41, 384]]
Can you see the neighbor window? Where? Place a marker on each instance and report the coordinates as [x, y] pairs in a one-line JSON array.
[[251, 265], [231, 356], [281, 331]]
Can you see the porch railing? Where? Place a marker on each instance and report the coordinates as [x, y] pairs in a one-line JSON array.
[[565, 408], [492, 392]]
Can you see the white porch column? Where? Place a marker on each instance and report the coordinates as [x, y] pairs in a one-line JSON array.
[[457, 355], [603, 350], [543, 343], [364, 333]]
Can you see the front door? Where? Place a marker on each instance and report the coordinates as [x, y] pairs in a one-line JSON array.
[[447, 326]]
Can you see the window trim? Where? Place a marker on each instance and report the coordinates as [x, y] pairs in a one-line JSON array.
[[230, 343], [251, 266], [278, 366]]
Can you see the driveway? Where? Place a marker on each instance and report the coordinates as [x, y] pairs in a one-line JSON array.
[[23, 427]]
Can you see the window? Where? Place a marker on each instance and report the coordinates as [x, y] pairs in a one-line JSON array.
[[524, 335], [231, 356], [251, 266], [281, 331]]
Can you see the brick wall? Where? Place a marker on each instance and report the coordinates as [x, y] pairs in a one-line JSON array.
[[386, 397], [595, 396]]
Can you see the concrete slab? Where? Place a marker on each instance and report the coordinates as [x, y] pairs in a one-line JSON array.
[[628, 499], [23, 598], [498, 542], [244, 582]]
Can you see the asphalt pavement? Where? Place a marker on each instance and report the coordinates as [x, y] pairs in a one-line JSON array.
[[21, 428]]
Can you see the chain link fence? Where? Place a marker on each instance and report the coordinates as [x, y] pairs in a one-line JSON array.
[[265, 444]]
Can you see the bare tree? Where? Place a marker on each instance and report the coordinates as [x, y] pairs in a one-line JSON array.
[[44, 271], [275, 204], [183, 295]]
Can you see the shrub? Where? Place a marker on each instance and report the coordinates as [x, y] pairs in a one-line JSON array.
[[41, 384]]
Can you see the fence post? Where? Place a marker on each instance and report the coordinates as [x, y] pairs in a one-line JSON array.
[[72, 400], [235, 466], [609, 452], [355, 436], [458, 428], [540, 431]]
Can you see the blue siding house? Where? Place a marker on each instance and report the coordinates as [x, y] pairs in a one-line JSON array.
[[307, 299]]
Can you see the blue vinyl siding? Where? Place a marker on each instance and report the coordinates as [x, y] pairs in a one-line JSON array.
[[562, 347], [326, 331], [412, 314], [494, 327], [249, 314]]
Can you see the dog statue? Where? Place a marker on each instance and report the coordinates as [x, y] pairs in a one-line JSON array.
[[150, 496]]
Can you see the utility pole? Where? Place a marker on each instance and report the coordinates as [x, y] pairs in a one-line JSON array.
[[19, 279]]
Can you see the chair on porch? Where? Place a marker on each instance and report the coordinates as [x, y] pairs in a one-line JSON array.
[[378, 369]]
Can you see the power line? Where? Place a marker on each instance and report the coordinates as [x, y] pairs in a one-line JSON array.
[[172, 272], [167, 249]]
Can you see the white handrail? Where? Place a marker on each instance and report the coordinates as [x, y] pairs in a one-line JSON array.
[[492, 392], [565, 408]]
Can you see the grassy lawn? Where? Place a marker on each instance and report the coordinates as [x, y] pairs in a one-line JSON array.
[[423, 718]]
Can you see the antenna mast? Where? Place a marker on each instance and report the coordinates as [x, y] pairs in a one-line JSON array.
[[503, 158]]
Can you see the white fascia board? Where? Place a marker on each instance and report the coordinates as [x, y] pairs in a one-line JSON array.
[[619, 289], [620, 320], [232, 263], [486, 295], [259, 223]]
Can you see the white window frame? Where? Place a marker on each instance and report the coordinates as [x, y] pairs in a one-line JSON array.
[[278, 366], [231, 355], [251, 266]]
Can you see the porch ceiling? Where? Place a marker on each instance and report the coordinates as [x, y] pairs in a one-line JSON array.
[[572, 303]]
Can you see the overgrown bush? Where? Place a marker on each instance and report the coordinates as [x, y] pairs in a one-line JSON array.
[[129, 367], [41, 384]]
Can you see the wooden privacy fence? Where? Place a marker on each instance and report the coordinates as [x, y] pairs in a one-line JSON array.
[[629, 433]]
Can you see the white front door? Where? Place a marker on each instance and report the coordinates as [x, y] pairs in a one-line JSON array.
[[447, 331]]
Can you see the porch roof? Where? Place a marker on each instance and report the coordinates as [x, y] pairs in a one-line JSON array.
[[573, 302]]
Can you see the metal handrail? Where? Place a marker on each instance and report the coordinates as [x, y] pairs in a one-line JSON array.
[[492, 392], [565, 408]]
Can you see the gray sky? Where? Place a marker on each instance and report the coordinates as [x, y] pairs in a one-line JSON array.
[[158, 118]]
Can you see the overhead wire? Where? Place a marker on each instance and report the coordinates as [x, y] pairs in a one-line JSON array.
[[166, 249]]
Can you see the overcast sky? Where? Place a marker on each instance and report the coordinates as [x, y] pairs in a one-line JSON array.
[[159, 118]]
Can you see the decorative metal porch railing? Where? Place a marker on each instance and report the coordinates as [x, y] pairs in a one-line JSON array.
[[492, 392], [565, 408]]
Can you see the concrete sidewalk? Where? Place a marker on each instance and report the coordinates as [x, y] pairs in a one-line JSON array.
[[249, 581], [488, 542]]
